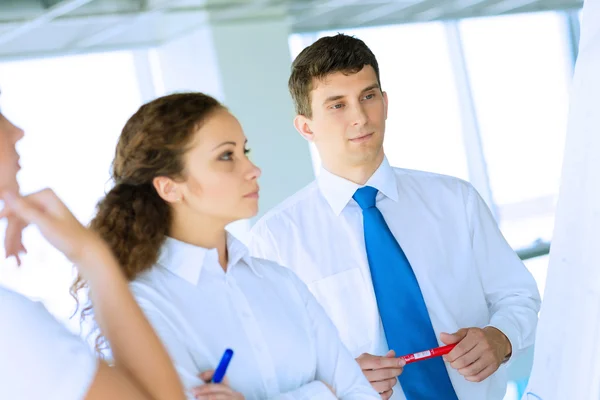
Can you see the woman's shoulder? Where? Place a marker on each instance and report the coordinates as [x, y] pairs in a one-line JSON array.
[[15, 307], [32, 340], [25, 320]]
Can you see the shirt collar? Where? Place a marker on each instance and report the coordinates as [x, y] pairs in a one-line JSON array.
[[338, 191], [187, 260]]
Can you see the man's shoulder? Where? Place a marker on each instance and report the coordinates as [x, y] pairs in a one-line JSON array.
[[431, 182], [269, 268], [275, 272], [291, 207], [426, 176]]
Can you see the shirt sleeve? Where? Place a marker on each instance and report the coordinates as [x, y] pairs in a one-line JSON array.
[[511, 292], [39, 357], [335, 365]]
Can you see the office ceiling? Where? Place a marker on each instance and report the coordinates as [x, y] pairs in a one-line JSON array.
[[33, 28]]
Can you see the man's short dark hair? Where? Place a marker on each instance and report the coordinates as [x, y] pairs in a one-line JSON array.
[[328, 55]]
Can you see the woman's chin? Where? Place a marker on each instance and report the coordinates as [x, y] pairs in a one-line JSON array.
[[9, 184], [250, 211]]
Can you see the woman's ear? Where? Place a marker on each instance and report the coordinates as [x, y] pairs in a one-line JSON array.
[[167, 189]]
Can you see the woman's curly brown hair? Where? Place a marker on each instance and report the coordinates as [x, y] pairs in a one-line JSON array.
[[132, 218]]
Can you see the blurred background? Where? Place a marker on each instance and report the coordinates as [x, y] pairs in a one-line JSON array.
[[478, 89]]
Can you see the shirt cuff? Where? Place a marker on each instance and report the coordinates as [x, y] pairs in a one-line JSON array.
[[511, 332], [315, 390]]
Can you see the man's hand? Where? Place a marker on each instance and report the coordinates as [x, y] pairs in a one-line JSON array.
[[382, 372], [479, 352]]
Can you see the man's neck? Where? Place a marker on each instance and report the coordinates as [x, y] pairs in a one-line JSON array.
[[358, 174]]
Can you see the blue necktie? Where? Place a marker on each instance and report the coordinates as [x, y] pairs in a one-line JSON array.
[[401, 305]]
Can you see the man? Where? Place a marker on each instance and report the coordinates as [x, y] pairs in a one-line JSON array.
[[401, 260]]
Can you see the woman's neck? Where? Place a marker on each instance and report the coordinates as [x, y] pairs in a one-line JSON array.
[[202, 232]]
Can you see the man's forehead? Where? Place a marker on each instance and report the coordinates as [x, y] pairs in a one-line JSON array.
[[340, 80], [327, 89]]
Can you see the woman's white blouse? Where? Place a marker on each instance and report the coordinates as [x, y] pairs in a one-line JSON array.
[[284, 344], [39, 357]]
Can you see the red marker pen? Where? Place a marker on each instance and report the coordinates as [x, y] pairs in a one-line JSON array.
[[424, 355]]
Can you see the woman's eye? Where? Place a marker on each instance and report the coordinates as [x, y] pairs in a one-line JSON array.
[[227, 156]]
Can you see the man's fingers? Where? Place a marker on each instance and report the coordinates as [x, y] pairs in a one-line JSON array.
[[464, 346], [489, 370], [383, 374], [475, 368], [384, 386], [386, 395], [474, 356], [467, 359], [451, 338]]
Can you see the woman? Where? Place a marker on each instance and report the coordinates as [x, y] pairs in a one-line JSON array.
[[39, 358], [181, 175]]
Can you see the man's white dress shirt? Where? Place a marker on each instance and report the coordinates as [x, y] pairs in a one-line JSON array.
[[468, 274], [39, 357], [284, 344]]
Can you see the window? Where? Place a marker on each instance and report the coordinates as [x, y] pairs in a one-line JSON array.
[[519, 68], [423, 128], [72, 110]]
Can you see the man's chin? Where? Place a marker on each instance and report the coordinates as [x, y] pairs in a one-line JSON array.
[[366, 156]]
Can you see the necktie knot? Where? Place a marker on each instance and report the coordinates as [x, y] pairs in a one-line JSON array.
[[365, 197]]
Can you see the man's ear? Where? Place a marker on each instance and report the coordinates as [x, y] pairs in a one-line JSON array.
[[167, 189], [302, 125], [385, 104]]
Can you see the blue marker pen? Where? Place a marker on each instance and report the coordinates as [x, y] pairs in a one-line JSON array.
[[222, 367]]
